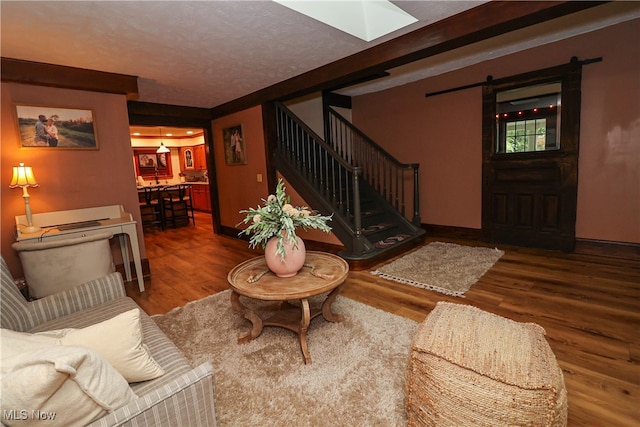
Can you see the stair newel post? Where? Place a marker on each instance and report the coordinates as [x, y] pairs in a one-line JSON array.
[[416, 196], [358, 241]]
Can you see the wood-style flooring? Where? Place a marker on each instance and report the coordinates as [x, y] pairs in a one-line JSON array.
[[589, 306]]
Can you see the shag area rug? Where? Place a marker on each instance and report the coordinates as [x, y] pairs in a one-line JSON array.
[[442, 267], [356, 377]]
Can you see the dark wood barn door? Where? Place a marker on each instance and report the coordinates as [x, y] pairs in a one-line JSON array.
[[531, 126]]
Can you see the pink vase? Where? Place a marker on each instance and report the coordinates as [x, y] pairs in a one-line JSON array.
[[293, 260]]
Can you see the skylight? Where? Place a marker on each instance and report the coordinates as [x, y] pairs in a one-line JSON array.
[[365, 19]]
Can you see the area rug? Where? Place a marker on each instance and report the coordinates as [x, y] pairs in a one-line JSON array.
[[356, 377], [442, 267]]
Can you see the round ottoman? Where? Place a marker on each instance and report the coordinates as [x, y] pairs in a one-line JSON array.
[[468, 367]]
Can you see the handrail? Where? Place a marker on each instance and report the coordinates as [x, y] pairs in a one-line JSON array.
[[381, 170], [368, 140], [330, 176]]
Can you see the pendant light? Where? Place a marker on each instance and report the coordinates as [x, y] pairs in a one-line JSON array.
[[162, 149]]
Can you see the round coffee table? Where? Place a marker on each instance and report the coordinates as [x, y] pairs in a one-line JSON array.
[[322, 273]]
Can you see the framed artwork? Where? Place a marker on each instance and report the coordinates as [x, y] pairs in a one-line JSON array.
[[188, 158], [56, 128], [234, 147], [150, 164]]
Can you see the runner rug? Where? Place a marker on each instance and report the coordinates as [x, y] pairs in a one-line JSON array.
[[442, 267], [356, 377]]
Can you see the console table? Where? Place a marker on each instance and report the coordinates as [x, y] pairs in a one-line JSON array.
[[322, 273], [84, 222]]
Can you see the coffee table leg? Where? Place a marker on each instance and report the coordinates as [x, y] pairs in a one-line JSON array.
[[326, 306], [304, 325], [248, 314]]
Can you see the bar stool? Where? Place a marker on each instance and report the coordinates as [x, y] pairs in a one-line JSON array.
[[151, 211], [177, 206], [187, 197]]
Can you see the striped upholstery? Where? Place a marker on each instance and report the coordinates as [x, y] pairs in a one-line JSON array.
[[182, 397], [185, 401], [162, 349], [20, 315], [78, 299], [14, 309]]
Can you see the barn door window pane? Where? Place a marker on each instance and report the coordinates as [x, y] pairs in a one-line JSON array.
[[528, 118]]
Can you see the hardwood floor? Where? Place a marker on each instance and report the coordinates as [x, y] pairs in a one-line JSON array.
[[589, 306]]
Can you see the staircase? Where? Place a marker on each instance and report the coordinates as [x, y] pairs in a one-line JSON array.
[[353, 178]]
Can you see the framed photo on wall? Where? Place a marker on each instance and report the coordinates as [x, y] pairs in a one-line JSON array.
[[56, 128], [188, 158], [234, 146], [150, 164]]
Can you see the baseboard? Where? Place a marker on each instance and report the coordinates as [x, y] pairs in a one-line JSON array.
[[452, 232], [608, 248], [232, 232]]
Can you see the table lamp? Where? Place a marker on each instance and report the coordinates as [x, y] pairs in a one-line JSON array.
[[23, 177]]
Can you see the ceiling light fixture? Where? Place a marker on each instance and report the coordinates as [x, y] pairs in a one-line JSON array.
[[365, 19], [162, 148]]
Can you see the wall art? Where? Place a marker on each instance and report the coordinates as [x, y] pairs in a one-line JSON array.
[[56, 128]]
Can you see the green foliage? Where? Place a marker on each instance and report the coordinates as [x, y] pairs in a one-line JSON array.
[[277, 218]]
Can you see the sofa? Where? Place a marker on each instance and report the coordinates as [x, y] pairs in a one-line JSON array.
[[56, 348]]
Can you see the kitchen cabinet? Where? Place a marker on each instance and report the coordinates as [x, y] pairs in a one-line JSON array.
[[186, 158], [193, 158], [201, 199], [200, 157]]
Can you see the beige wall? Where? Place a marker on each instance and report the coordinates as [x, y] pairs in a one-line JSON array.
[[309, 110], [443, 133], [69, 179]]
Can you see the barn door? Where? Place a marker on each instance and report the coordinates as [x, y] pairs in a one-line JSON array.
[[531, 133]]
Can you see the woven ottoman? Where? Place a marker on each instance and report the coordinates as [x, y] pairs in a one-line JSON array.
[[468, 367]]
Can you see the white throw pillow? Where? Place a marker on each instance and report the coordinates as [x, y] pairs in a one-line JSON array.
[[60, 385], [118, 340]]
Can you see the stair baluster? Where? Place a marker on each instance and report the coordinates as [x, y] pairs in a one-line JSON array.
[[342, 174]]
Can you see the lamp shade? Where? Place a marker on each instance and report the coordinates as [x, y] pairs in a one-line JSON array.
[[23, 177], [162, 149]]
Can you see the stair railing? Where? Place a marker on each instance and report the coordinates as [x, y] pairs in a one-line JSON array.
[[383, 172], [334, 179]]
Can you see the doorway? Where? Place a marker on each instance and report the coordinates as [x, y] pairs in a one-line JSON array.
[[531, 134], [159, 115], [170, 160]]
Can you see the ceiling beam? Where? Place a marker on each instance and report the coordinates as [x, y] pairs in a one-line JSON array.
[[41, 74], [150, 113], [474, 25]]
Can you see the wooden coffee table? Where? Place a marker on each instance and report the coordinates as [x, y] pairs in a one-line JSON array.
[[322, 273]]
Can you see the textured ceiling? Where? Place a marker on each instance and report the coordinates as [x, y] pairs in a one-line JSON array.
[[196, 53], [206, 53]]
